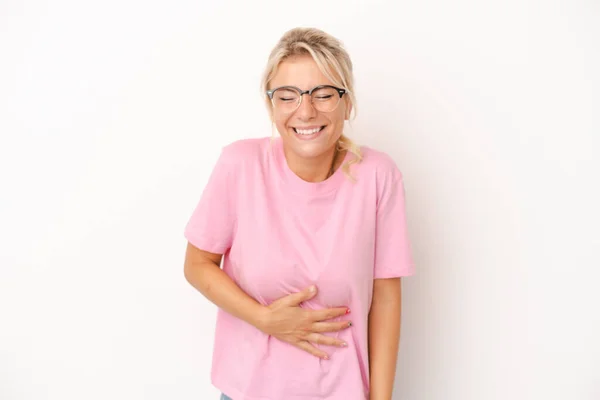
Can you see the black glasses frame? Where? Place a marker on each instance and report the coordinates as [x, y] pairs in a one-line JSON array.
[[340, 91]]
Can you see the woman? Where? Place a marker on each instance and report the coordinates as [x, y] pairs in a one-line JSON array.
[[312, 231]]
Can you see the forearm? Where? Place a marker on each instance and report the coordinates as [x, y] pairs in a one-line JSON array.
[[220, 289], [384, 336]]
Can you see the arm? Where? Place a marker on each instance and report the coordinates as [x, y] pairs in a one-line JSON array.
[[384, 336], [283, 319], [202, 270]]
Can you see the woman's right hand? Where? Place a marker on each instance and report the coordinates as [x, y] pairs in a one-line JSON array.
[[287, 321]]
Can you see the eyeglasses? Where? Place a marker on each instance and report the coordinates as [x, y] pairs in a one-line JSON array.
[[287, 99]]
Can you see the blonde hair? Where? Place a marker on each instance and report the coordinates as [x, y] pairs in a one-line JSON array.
[[333, 61]]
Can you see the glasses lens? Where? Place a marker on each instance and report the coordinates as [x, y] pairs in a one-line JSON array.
[[286, 100], [325, 99]]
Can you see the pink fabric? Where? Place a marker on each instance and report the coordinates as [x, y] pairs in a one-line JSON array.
[[280, 234]]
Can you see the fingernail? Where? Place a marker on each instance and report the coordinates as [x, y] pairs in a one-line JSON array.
[[344, 344], [326, 357], [312, 288], [347, 311], [349, 323]]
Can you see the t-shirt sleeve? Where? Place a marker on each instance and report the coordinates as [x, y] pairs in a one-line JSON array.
[[212, 223], [393, 257]]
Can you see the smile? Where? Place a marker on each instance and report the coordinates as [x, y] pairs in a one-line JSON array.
[[308, 131]]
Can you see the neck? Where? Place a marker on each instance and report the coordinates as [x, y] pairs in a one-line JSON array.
[[313, 169]]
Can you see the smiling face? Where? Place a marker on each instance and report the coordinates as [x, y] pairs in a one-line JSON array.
[[306, 132]]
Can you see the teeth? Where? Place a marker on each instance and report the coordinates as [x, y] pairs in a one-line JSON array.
[[307, 131]]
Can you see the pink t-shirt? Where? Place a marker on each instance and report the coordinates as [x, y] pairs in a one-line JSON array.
[[280, 234]]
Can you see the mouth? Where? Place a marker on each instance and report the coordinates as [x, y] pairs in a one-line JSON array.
[[308, 133]]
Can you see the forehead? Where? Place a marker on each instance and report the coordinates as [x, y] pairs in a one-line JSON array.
[[300, 71]]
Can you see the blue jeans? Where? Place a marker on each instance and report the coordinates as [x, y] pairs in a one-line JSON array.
[[225, 397]]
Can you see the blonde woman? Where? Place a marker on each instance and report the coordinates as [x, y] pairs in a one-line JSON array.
[[312, 232]]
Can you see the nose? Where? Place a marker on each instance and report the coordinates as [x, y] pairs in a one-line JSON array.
[[306, 110]]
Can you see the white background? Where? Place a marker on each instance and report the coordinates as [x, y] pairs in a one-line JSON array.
[[113, 113]]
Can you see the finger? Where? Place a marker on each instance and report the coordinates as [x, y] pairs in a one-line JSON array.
[[325, 340], [304, 345], [329, 313], [330, 326], [295, 299]]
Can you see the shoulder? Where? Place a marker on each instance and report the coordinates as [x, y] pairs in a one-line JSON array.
[[378, 164], [241, 151], [245, 147], [381, 174]]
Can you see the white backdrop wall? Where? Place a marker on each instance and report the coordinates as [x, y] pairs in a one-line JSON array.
[[113, 113]]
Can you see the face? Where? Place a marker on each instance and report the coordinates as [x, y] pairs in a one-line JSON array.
[[306, 132]]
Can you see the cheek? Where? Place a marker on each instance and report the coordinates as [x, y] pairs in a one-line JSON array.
[[337, 121], [281, 123]]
